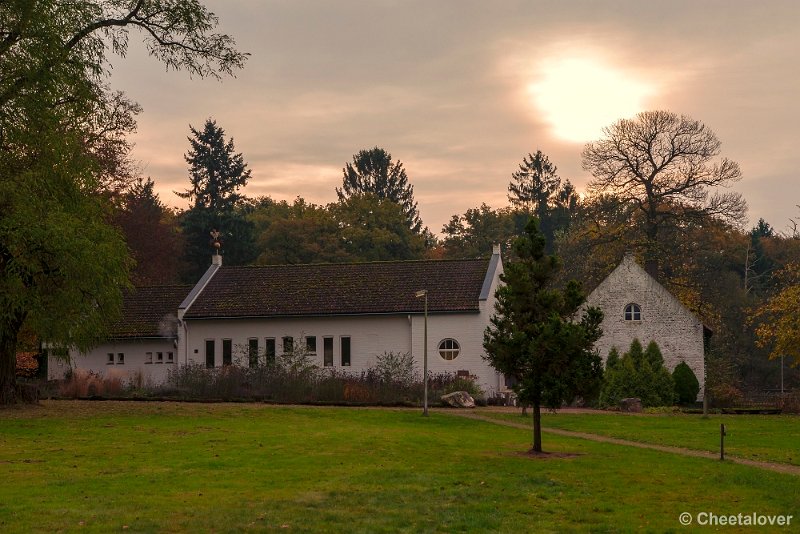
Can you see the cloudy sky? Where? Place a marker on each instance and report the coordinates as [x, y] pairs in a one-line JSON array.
[[461, 90]]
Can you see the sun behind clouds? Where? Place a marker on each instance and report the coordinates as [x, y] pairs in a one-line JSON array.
[[579, 95]]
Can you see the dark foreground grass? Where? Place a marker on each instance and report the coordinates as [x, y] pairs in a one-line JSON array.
[[771, 438], [142, 467]]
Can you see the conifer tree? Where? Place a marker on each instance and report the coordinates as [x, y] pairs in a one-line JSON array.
[[534, 337], [217, 173], [537, 191], [374, 172]]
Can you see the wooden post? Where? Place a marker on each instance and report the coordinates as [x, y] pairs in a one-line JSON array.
[[722, 441]]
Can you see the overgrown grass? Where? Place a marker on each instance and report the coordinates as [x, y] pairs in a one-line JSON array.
[[104, 466], [774, 438]]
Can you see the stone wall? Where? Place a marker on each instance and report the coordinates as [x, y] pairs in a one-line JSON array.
[[678, 332]]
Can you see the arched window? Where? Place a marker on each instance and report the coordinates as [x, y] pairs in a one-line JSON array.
[[633, 312], [449, 349]]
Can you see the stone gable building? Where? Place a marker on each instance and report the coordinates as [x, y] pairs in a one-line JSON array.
[[636, 306]]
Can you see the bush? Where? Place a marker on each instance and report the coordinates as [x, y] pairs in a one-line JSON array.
[[81, 383], [686, 384], [396, 368], [638, 373]]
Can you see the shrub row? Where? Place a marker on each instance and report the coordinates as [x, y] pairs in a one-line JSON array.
[[288, 378]]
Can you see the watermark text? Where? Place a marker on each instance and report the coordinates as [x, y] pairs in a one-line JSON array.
[[753, 519]]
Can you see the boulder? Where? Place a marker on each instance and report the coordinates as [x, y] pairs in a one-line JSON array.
[[459, 399], [632, 405]]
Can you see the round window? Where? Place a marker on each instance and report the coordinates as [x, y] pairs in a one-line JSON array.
[[449, 349]]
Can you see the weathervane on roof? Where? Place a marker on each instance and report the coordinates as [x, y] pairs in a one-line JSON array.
[[215, 242]]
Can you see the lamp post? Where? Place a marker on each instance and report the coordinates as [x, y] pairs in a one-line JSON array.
[[419, 294]]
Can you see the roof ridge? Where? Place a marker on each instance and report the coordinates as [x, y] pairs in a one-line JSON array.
[[160, 286], [377, 262]]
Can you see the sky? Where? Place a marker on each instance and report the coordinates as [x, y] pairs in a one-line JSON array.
[[460, 91]]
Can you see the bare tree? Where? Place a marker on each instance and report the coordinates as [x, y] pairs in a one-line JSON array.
[[667, 166]]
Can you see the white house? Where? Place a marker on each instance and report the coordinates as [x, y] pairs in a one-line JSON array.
[[345, 315], [636, 306], [144, 339]]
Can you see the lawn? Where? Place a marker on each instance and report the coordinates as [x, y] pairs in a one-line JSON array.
[[773, 438], [145, 467]]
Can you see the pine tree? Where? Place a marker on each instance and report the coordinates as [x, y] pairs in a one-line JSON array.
[[534, 184], [217, 173], [373, 171], [536, 190], [533, 336]]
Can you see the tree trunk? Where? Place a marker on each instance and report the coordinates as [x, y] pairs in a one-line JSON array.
[[537, 428], [8, 360]]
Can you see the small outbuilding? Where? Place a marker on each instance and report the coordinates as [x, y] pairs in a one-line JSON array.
[[636, 306]]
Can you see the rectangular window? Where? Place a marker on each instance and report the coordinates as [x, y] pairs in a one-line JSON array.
[[110, 360], [288, 344], [252, 351], [227, 352], [170, 357], [269, 350], [327, 351], [120, 358], [148, 357], [159, 357], [210, 357], [345, 351], [311, 344]]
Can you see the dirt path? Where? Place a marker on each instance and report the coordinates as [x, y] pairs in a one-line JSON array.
[[771, 466]]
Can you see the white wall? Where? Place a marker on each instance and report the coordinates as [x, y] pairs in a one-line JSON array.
[[134, 361], [467, 329], [369, 336]]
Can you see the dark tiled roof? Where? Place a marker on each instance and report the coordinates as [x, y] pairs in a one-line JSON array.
[[149, 312], [341, 289]]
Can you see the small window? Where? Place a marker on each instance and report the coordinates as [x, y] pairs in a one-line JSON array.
[[449, 349], [269, 350], [288, 344], [252, 351], [110, 360], [327, 351], [227, 352], [120, 358], [345, 351], [148, 357], [311, 344], [633, 312], [170, 357], [159, 357], [210, 356]]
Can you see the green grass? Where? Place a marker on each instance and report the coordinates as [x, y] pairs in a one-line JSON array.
[[773, 438], [104, 466]]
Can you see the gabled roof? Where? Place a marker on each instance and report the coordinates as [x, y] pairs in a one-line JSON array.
[[149, 312], [341, 289], [628, 266]]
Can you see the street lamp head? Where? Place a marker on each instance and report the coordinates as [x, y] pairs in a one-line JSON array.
[[421, 293]]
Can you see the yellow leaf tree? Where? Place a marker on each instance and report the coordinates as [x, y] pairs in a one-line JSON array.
[[778, 319]]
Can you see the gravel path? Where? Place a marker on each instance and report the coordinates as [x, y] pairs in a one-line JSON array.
[[771, 466]]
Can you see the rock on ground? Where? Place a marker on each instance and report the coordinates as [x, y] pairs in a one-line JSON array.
[[459, 399]]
